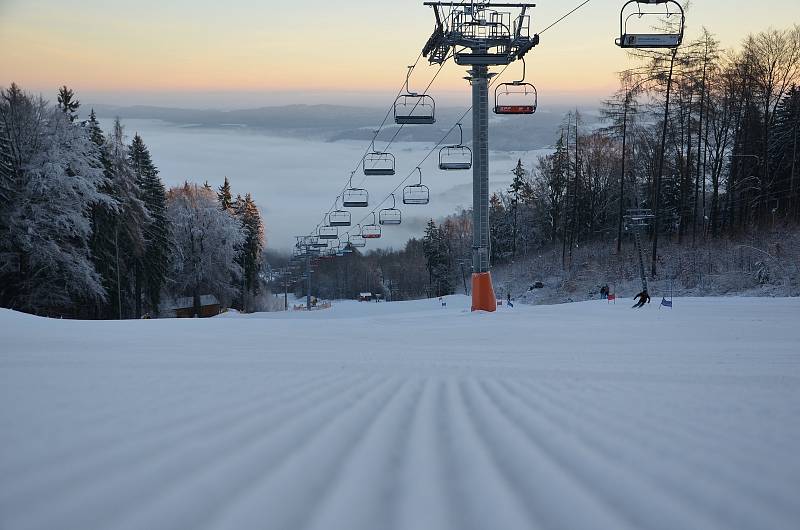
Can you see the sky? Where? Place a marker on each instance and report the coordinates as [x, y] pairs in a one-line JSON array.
[[245, 53]]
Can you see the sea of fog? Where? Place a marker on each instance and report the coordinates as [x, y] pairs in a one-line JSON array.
[[294, 181]]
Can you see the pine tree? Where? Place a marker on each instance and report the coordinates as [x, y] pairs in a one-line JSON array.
[[520, 192], [250, 258], [437, 258], [67, 104], [224, 196], [119, 241], [95, 132], [153, 272]]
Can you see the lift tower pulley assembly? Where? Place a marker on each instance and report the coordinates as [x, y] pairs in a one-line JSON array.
[[480, 35]]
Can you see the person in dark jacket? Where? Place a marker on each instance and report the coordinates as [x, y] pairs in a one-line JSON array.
[[643, 297]]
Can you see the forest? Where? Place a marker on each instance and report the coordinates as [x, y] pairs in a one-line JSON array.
[[704, 138], [88, 229]]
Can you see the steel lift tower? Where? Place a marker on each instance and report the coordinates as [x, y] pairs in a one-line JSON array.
[[480, 35]]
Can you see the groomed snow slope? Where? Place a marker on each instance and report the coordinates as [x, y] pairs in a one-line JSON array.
[[406, 416]]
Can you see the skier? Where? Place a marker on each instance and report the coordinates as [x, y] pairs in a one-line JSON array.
[[604, 291], [508, 299], [643, 299]]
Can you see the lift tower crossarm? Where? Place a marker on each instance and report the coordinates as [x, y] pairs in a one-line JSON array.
[[492, 40], [481, 4]]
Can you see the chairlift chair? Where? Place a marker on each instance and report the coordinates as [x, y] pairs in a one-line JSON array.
[[414, 109], [339, 217], [378, 163], [390, 216], [670, 38], [357, 240], [638, 218], [372, 230], [516, 97], [417, 193], [453, 157], [353, 197], [328, 232], [315, 242]]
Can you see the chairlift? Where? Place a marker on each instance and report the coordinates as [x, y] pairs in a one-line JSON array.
[[345, 247], [378, 163], [457, 156], [412, 108], [372, 230], [669, 37], [327, 232], [416, 193], [354, 197], [390, 216], [516, 97], [357, 240], [315, 242], [338, 217], [638, 218]]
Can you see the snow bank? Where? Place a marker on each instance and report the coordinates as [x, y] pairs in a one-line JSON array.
[[406, 415]]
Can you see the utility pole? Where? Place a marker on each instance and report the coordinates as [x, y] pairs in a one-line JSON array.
[[480, 35]]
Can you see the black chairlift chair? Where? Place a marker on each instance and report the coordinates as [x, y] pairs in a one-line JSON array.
[[328, 232], [339, 217], [417, 193], [414, 109], [357, 240], [378, 163], [372, 230], [354, 197], [455, 156], [516, 97], [669, 36], [315, 242], [345, 247], [390, 216]]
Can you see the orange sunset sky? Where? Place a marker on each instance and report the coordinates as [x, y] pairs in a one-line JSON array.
[[245, 52]]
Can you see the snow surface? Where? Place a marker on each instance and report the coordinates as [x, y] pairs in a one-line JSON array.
[[408, 416]]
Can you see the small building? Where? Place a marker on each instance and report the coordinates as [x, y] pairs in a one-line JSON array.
[[365, 297], [184, 307]]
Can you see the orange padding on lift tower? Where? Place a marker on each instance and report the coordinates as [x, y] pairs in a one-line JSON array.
[[483, 293]]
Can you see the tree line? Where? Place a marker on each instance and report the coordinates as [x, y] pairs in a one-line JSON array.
[[704, 138], [89, 230]]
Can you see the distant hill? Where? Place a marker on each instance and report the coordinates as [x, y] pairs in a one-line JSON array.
[[336, 122]]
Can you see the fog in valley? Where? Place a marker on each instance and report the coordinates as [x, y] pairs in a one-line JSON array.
[[294, 160]]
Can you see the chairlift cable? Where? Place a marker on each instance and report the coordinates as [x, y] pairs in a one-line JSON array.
[[442, 140], [380, 127], [565, 16], [427, 155], [388, 113], [386, 117]]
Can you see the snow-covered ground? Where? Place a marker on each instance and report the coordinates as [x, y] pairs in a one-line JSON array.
[[406, 415]]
